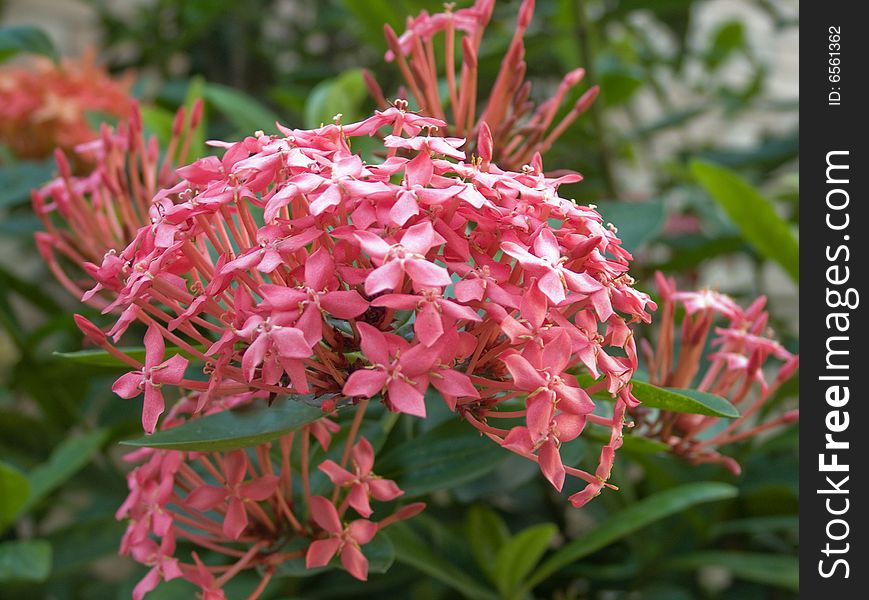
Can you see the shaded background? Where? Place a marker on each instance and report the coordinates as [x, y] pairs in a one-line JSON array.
[[681, 80]]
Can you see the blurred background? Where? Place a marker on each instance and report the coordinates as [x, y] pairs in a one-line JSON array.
[[681, 80]]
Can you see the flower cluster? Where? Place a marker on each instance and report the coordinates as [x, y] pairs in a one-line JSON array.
[[290, 266], [744, 354], [44, 105], [241, 504], [86, 217], [520, 128]]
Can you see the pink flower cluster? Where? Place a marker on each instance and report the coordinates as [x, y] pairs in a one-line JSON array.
[[44, 105], [520, 129], [241, 505], [745, 354], [292, 266]]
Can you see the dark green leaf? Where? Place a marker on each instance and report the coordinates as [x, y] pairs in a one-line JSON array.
[[414, 551], [232, 429], [25, 560], [343, 94], [487, 533], [14, 489], [638, 222], [243, 111], [683, 400], [518, 557], [779, 570], [631, 519], [752, 213], [25, 39], [17, 179], [65, 461], [444, 457]]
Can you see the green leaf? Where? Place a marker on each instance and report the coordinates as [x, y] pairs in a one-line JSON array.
[[487, 533], [631, 519], [14, 489], [444, 457], [243, 111], [25, 39], [779, 570], [232, 429], [638, 222], [519, 556], [17, 179], [158, 121], [342, 94], [65, 461], [25, 560], [674, 399], [196, 91], [379, 551], [101, 358], [414, 551], [752, 213], [729, 38]]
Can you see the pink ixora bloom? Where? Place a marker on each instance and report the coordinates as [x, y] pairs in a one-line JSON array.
[[745, 353], [345, 541], [153, 375], [362, 482], [236, 493]]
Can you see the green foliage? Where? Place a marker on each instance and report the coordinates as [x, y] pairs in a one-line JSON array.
[[25, 40]]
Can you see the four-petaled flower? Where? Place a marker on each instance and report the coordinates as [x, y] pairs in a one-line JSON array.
[[362, 482], [343, 540]]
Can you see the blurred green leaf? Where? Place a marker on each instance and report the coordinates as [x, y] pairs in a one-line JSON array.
[[444, 457], [20, 39], [752, 213], [239, 428], [342, 94], [728, 39], [196, 91], [629, 520], [83, 542], [638, 222], [517, 558], [487, 532], [25, 560], [18, 178], [14, 489], [158, 121], [777, 570], [65, 461], [414, 551], [245, 112]]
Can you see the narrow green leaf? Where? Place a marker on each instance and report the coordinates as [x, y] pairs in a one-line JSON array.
[[196, 91], [25, 39], [240, 428], [444, 457], [518, 557], [342, 94], [101, 358], [752, 213], [412, 550], [242, 110], [779, 570], [487, 533], [65, 461], [158, 121], [14, 490], [638, 222], [631, 519], [674, 399], [25, 560]]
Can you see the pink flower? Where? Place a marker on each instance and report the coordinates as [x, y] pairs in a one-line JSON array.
[[362, 482], [163, 565], [150, 379], [343, 541], [236, 491]]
